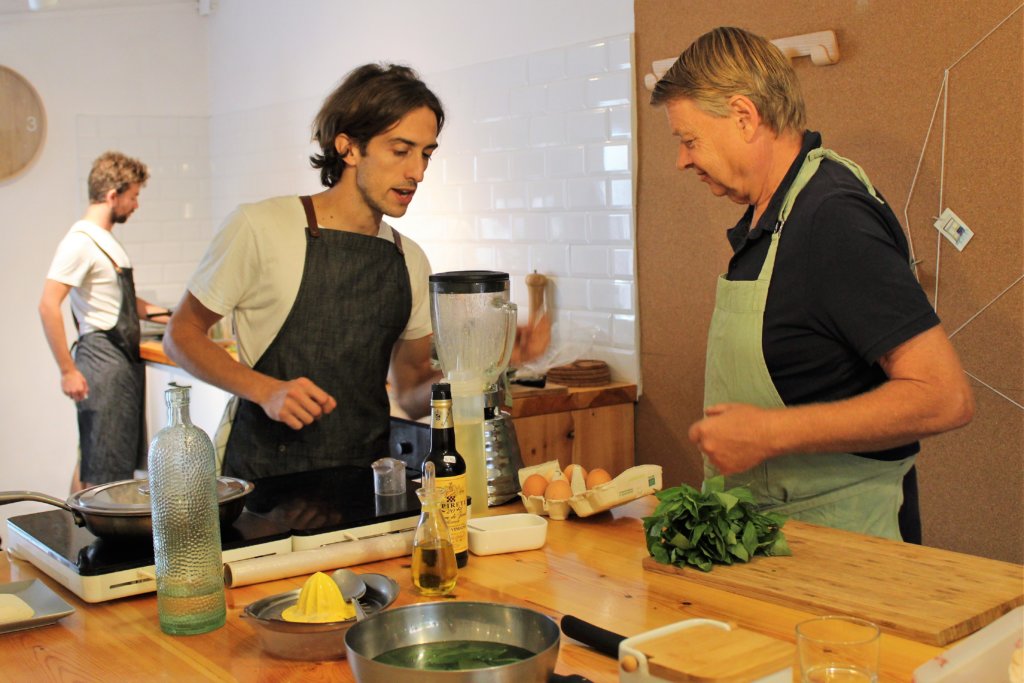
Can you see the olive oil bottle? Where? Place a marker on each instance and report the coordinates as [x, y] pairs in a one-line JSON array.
[[434, 571], [449, 468]]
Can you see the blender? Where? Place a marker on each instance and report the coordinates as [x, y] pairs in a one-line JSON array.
[[474, 332]]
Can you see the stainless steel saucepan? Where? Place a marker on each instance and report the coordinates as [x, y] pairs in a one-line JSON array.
[[122, 508], [443, 622]]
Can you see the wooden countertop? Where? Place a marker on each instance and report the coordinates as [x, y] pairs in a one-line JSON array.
[[153, 351], [527, 401], [591, 568]]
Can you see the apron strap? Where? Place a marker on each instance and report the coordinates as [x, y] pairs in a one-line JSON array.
[[314, 228], [311, 222], [117, 268], [807, 171], [398, 241]]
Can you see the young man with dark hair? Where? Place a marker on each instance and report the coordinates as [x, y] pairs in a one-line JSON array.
[[329, 302]]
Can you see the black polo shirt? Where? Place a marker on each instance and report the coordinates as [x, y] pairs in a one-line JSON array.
[[842, 294]]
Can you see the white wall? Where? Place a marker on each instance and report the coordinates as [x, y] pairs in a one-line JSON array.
[[126, 63], [534, 174], [257, 70]]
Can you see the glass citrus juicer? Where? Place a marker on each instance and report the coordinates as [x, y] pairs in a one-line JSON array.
[[474, 332]]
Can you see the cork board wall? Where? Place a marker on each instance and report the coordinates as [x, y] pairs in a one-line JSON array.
[[885, 106]]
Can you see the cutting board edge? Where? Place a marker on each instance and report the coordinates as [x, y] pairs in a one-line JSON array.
[[939, 638]]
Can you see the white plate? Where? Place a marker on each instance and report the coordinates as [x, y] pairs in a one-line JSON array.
[[48, 605]]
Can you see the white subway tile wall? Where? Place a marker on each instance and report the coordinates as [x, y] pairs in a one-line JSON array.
[[534, 173], [169, 232], [537, 153]]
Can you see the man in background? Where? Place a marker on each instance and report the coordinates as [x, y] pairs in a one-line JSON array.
[[104, 375], [330, 304], [826, 362]]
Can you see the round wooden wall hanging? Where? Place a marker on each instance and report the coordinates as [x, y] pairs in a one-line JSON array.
[[22, 124]]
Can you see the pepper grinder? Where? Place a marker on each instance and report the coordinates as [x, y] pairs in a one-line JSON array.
[[537, 335]]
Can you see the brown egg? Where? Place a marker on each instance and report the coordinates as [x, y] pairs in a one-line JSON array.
[[571, 469], [597, 477], [534, 485], [558, 490]]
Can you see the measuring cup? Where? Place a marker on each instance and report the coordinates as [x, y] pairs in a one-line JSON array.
[[388, 477]]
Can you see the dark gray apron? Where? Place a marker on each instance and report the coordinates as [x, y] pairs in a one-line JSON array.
[[112, 419], [353, 302]]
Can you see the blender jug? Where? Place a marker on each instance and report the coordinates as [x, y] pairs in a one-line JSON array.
[[474, 331]]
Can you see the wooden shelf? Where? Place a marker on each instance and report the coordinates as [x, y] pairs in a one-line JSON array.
[[555, 398]]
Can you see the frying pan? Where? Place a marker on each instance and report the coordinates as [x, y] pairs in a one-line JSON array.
[[122, 509]]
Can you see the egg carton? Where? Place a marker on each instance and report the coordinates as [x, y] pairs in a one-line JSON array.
[[636, 482]]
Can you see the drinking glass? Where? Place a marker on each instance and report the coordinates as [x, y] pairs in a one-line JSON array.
[[837, 649]]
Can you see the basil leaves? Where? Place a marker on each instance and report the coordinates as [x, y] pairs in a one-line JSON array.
[[711, 526]]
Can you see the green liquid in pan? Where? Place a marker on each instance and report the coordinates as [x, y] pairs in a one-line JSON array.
[[454, 655]]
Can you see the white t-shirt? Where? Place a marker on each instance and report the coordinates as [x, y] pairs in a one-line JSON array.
[[254, 265], [96, 293]]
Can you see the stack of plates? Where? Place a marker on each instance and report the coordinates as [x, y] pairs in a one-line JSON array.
[[581, 373]]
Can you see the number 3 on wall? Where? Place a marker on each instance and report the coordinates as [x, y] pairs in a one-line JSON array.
[[22, 124]]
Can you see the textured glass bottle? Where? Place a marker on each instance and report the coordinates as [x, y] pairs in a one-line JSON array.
[[186, 523], [450, 469]]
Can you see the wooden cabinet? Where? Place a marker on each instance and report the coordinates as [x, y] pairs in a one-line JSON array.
[[591, 426]]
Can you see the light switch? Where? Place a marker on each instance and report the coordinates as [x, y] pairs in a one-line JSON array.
[[954, 229]]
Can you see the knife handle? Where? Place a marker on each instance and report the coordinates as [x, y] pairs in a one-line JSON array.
[[605, 642]]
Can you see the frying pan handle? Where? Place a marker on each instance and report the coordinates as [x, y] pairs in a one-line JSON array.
[[23, 496], [605, 642]]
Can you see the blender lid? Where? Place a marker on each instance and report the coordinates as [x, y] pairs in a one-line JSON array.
[[468, 282]]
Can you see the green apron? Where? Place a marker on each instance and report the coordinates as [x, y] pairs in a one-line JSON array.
[[839, 490]]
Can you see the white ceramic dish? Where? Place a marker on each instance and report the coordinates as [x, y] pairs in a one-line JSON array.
[[984, 655], [48, 606], [506, 533]]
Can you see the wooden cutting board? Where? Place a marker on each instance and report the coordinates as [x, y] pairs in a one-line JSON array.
[[712, 655], [926, 594]]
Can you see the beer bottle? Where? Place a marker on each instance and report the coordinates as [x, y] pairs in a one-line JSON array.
[[449, 468]]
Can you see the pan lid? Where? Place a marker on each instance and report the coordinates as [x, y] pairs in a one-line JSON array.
[[131, 497]]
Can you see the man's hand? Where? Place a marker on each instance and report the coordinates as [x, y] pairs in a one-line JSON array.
[[297, 402], [733, 436], [74, 386]]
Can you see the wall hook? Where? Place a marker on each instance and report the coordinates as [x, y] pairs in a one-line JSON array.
[[820, 46]]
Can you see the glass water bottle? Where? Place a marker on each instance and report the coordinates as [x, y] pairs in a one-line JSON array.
[[434, 570], [186, 523]]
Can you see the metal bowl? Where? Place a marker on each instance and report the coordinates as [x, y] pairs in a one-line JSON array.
[[296, 640], [432, 622]]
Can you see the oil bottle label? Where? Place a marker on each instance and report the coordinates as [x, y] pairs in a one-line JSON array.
[[453, 508]]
